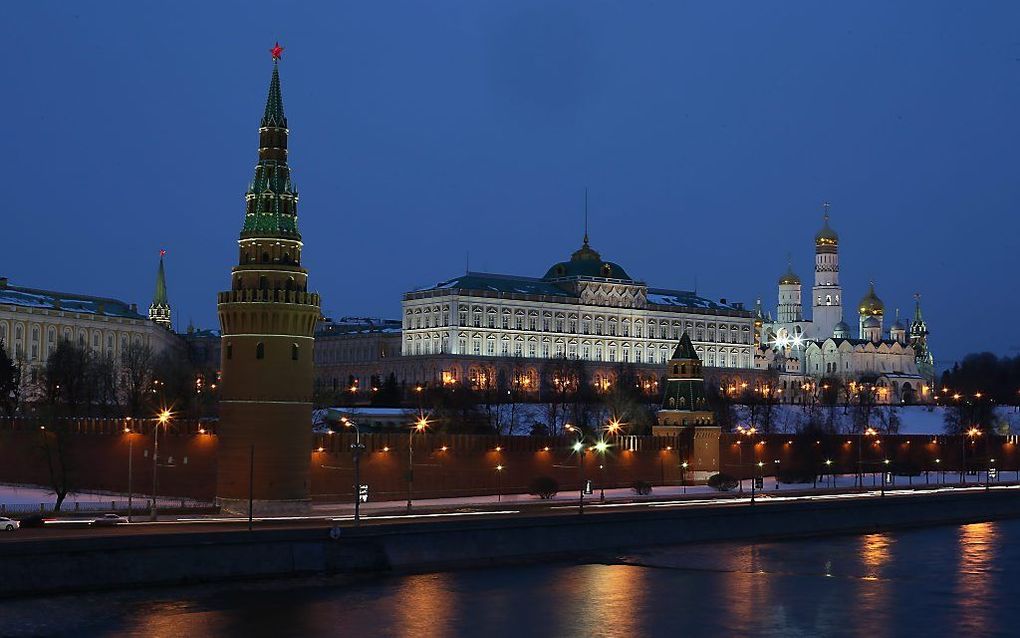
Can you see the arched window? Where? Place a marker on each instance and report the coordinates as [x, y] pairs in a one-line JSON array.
[[263, 284], [294, 351], [260, 350], [265, 258], [230, 350]]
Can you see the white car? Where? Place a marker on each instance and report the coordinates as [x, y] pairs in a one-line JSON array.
[[8, 524]]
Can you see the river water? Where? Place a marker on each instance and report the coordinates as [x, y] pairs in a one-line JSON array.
[[944, 581]]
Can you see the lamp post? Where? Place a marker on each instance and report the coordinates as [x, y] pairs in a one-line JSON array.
[[777, 473], [131, 441], [499, 484], [938, 471], [884, 469], [683, 476], [828, 468], [420, 425], [162, 419], [578, 448], [601, 446], [972, 432], [356, 449]]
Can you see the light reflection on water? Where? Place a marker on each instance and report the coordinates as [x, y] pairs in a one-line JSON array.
[[949, 581]]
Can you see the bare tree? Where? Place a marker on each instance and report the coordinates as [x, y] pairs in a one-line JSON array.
[[136, 368]]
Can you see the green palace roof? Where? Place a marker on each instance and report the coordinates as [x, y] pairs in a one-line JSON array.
[[68, 302]]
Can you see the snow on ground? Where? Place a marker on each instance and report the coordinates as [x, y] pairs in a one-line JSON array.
[[13, 494]]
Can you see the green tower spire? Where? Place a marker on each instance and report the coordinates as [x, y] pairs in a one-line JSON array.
[[274, 116], [271, 199], [159, 310], [160, 298]]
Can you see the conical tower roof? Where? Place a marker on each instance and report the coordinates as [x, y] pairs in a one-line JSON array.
[[159, 298], [274, 102], [685, 349]]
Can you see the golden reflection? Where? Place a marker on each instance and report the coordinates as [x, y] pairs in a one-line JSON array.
[[978, 544], [608, 600], [874, 554], [427, 606], [874, 596]]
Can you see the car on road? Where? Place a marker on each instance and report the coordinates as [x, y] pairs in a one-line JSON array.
[[109, 520], [8, 524]]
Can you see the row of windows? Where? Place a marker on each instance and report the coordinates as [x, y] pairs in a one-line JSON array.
[[587, 351], [597, 325], [36, 349]]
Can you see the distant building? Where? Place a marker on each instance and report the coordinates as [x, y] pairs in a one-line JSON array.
[[33, 321], [355, 353]]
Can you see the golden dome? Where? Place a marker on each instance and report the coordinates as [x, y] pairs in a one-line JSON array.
[[789, 278], [870, 304], [826, 236]]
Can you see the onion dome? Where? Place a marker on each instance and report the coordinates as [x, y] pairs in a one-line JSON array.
[[789, 278], [841, 331], [870, 304], [826, 236]]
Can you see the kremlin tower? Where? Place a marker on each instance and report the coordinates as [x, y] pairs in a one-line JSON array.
[[267, 320], [159, 309]]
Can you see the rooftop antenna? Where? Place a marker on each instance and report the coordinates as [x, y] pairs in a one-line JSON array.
[[585, 215]]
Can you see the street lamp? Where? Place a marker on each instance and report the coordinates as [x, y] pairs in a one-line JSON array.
[[356, 449], [683, 476], [972, 432], [832, 478], [884, 471], [131, 491], [578, 448], [161, 419], [499, 485], [601, 446], [419, 426]]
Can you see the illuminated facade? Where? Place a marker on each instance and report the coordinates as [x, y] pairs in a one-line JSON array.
[[804, 350], [583, 309]]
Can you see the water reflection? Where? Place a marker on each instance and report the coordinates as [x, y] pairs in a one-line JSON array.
[[424, 606], [873, 590], [975, 584]]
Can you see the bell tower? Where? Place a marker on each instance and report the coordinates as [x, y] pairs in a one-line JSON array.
[[267, 319], [826, 305]]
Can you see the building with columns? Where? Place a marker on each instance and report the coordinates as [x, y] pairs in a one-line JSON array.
[[896, 362], [33, 321], [267, 320], [585, 309]]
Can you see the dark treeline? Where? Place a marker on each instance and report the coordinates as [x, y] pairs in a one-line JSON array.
[[997, 378]]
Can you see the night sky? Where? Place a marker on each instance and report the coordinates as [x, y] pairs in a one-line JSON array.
[[708, 134]]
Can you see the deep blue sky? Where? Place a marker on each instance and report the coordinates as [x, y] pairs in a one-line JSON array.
[[708, 133]]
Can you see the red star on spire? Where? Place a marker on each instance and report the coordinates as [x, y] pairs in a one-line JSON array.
[[276, 51], [162, 252]]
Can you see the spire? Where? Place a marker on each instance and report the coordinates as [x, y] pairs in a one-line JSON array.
[[917, 308], [271, 200], [274, 116], [586, 217], [159, 310], [160, 297]]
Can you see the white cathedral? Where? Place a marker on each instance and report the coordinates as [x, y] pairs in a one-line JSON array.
[[895, 366]]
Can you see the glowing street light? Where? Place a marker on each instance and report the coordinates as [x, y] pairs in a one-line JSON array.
[[421, 425]]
